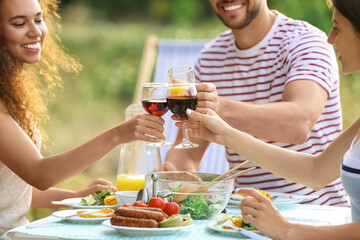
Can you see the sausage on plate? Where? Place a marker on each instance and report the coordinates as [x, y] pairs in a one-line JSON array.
[[133, 222], [139, 213]]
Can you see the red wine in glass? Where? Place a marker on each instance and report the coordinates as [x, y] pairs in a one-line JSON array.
[[178, 105], [156, 107]]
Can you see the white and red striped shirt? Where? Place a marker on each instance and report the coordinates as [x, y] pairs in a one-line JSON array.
[[292, 50]]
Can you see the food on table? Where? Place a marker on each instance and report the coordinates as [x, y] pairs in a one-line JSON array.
[[96, 199], [128, 205], [148, 217], [139, 213], [110, 200], [140, 204], [263, 192], [130, 182], [172, 208], [177, 220], [157, 202], [133, 222], [103, 213], [235, 219], [201, 206]]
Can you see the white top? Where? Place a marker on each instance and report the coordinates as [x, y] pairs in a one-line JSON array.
[[15, 195], [15, 199], [350, 176], [292, 50]]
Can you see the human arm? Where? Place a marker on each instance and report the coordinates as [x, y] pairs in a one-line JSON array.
[[314, 171], [261, 212], [185, 159], [20, 154], [42, 199], [290, 120]]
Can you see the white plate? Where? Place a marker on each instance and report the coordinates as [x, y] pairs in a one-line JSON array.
[[135, 231], [77, 219], [76, 203], [236, 199]]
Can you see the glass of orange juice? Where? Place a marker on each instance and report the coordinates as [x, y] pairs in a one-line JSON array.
[[130, 182]]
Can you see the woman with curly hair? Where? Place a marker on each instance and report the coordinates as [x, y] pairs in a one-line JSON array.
[[340, 158], [32, 58]]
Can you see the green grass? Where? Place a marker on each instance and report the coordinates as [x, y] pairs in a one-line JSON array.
[[96, 100]]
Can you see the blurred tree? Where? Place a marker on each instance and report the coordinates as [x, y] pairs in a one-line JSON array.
[[189, 11], [314, 12], [163, 11]]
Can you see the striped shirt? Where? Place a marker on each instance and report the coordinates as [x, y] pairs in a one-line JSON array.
[[350, 175], [292, 50]]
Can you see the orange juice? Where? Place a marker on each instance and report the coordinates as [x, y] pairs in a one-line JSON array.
[[130, 182]]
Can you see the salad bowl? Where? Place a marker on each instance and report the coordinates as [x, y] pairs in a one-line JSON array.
[[205, 203]]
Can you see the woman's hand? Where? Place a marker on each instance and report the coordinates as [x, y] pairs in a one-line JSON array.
[[206, 124], [96, 186], [262, 213], [143, 127]]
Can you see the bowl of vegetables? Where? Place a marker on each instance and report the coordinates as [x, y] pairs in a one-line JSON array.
[[194, 192]]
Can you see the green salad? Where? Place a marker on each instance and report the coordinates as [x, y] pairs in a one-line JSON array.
[[198, 207], [96, 199]]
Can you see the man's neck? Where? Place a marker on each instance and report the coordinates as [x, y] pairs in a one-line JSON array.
[[255, 32]]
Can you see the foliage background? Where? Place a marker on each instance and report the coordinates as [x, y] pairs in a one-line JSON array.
[[108, 37]]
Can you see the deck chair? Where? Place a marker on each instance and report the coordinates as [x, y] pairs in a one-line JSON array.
[[169, 53]]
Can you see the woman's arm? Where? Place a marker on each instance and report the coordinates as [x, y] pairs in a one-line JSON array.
[[261, 212], [20, 154], [42, 199], [306, 169]]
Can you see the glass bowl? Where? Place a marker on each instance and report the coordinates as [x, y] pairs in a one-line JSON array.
[[202, 203]]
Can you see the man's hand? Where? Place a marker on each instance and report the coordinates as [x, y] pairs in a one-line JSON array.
[[208, 97]]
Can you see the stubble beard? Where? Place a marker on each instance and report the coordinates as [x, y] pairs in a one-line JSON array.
[[250, 16]]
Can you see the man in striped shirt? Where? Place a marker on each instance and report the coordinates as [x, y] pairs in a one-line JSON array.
[[275, 78]]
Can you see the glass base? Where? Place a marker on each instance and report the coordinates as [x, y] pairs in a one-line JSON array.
[[186, 144], [160, 144]]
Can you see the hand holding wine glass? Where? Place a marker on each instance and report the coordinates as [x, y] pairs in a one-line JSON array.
[[153, 98], [181, 95]]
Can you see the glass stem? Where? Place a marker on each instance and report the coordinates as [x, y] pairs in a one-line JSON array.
[[185, 132]]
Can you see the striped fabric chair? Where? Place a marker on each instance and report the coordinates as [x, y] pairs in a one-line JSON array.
[[169, 53]]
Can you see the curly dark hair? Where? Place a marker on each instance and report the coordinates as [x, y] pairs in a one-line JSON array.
[[26, 89]]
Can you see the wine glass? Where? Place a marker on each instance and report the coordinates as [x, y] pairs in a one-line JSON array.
[[181, 95], [153, 99]]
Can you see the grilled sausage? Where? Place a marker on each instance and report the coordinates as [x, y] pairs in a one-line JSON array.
[[154, 209], [139, 213], [133, 222]]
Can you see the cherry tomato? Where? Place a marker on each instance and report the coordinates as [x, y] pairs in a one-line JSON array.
[[140, 204], [136, 204], [128, 205], [143, 205], [172, 208], [157, 202]]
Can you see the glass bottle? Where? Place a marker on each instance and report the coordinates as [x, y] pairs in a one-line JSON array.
[[136, 158]]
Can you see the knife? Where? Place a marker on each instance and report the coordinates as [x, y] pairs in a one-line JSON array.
[[57, 219]]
